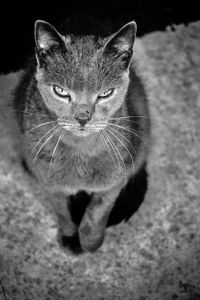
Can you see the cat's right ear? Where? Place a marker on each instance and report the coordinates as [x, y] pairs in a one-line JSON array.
[[120, 45], [47, 38]]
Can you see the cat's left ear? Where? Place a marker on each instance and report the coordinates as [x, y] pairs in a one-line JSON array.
[[47, 38], [121, 43]]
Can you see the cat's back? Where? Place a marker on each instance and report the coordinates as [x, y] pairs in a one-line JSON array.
[[137, 96]]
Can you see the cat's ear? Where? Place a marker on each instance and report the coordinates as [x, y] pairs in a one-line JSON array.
[[47, 38], [121, 43]]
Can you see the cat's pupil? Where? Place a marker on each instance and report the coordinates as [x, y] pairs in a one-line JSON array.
[[106, 93], [60, 90]]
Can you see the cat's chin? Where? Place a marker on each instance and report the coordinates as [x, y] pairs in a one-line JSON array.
[[82, 132]]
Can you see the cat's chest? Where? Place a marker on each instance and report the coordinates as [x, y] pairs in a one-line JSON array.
[[83, 167], [79, 170]]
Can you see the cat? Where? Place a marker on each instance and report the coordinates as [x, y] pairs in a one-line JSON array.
[[83, 113]]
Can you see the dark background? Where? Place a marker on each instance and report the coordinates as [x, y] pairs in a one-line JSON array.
[[17, 20]]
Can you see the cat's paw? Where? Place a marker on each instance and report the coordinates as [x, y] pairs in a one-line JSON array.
[[91, 237]]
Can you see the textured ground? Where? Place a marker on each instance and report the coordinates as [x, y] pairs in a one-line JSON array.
[[156, 255]]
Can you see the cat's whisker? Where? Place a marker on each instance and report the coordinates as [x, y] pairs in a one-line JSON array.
[[42, 124], [133, 131], [125, 138], [98, 126], [42, 146], [131, 121], [110, 130], [65, 125], [28, 113], [121, 158], [43, 137], [103, 138], [129, 117], [54, 151], [46, 134], [114, 148]]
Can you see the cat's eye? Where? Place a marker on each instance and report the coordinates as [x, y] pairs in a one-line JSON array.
[[106, 94], [61, 92]]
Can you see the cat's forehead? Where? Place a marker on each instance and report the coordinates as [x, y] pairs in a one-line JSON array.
[[84, 53], [84, 66], [84, 45]]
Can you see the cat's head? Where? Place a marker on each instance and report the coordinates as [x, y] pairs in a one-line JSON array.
[[83, 79]]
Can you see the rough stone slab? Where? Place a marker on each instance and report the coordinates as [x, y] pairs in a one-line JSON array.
[[156, 255]]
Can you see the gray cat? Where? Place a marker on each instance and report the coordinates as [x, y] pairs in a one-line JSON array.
[[85, 123]]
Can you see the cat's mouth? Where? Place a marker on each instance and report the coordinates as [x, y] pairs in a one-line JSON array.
[[80, 130], [77, 129]]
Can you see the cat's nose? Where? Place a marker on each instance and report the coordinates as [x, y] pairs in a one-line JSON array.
[[82, 118]]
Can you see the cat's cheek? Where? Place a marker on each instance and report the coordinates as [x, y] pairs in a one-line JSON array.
[[106, 109], [101, 112], [103, 109]]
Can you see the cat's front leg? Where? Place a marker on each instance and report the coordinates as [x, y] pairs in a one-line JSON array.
[[58, 203], [93, 224]]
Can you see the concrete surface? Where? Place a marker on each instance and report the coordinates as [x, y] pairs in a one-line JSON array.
[[156, 255]]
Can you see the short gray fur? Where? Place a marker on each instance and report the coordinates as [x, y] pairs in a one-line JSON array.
[[87, 142]]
